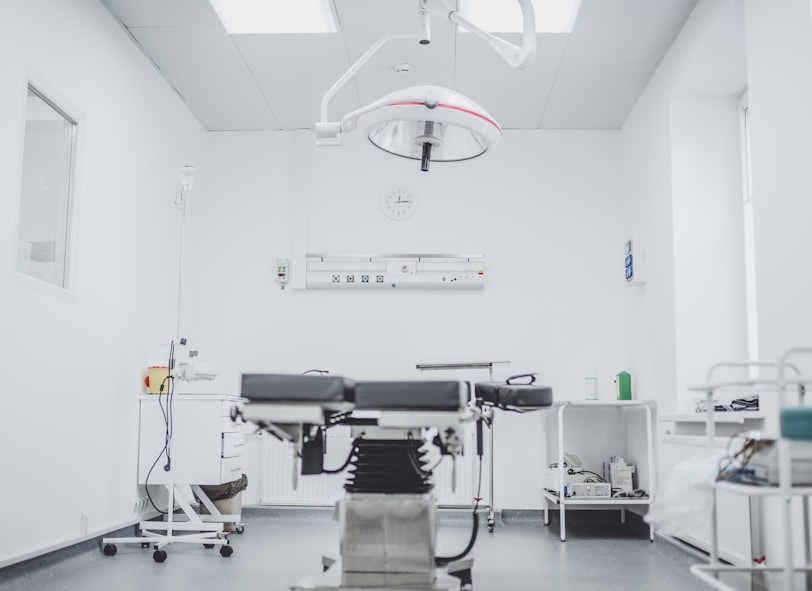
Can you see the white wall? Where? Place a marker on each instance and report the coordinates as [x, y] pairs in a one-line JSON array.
[[682, 189], [681, 153], [543, 209], [72, 361], [708, 212], [780, 77]]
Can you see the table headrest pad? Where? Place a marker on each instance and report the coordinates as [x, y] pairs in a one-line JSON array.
[[410, 395], [297, 388], [514, 395]]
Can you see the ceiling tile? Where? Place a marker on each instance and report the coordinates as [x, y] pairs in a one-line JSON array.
[[164, 13], [515, 98], [244, 115], [203, 64], [590, 78], [601, 100], [294, 72]]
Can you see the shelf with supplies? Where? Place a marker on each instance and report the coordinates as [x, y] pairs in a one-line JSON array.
[[764, 465], [683, 437], [616, 429]]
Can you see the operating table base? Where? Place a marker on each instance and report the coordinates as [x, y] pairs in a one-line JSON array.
[[331, 581]]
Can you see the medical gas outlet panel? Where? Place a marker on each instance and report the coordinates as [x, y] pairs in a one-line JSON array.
[[388, 272]]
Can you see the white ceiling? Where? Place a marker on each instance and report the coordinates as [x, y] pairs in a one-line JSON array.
[[588, 79]]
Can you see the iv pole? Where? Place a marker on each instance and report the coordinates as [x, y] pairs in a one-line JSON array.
[[209, 534]]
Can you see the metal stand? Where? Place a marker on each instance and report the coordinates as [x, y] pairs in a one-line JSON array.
[[388, 542], [476, 365], [208, 534], [559, 498], [788, 576]]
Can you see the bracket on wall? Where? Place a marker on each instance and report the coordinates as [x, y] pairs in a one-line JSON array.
[[395, 271]]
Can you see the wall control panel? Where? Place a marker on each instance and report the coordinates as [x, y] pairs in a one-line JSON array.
[[390, 272], [282, 266]]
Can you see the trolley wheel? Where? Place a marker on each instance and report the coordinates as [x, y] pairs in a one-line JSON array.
[[491, 524], [159, 556], [226, 551], [208, 546], [109, 550], [239, 528]]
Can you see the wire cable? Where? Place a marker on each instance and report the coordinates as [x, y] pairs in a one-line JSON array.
[[353, 451], [443, 560], [167, 386]]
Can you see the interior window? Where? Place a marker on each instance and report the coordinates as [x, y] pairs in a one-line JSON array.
[[45, 196], [749, 238]]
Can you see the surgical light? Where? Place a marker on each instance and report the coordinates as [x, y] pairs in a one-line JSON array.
[[429, 123]]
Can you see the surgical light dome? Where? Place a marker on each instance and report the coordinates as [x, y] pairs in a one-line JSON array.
[[429, 123]]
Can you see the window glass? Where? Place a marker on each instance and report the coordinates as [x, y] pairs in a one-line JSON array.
[[43, 228], [749, 235]]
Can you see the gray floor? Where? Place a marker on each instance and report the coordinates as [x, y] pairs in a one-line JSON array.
[[280, 546]]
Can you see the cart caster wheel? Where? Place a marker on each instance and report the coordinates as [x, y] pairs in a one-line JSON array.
[[226, 551], [239, 528], [491, 524], [208, 546], [109, 550], [159, 556], [490, 529]]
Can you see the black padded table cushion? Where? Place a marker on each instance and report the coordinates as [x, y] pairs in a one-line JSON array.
[[514, 395], [410, 395], [296, 388]]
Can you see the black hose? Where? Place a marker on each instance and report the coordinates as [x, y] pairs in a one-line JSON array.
[[443, 560], [353, 451]]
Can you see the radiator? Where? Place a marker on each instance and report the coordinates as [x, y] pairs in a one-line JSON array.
[[326, 489]]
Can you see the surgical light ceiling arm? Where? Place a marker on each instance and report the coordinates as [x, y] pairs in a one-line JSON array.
[[517, 57], [327, 132]]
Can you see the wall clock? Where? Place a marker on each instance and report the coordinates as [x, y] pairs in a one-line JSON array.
[[398, 203]]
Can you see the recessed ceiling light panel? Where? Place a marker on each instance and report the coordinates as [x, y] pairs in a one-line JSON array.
[[245, 17]]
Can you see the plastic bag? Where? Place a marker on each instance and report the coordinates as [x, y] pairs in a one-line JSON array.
[[227, 490], [687, 501]]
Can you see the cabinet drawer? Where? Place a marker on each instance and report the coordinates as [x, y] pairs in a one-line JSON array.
[[232, 445], [230, 469]]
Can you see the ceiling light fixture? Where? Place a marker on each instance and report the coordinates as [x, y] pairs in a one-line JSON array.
[[247, 17], [429, 123]]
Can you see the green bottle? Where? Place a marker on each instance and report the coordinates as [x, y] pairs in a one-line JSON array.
[[623, 385]]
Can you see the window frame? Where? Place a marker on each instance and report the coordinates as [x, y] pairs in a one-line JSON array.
[[64, 109]]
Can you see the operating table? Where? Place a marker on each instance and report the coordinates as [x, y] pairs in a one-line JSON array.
[[387, 518]]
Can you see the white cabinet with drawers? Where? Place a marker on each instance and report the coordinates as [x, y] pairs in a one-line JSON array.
[[206, 446]]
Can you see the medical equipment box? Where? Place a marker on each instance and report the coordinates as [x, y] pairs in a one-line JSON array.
[[157, 379], [552, 481], [588, 489]]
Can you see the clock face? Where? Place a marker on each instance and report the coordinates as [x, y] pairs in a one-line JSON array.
[[398, 203]]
